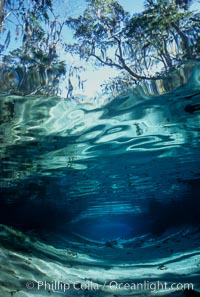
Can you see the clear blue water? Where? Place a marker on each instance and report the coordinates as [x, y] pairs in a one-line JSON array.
[[104, 180]]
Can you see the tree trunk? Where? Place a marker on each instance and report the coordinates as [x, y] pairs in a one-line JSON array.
[[184, 39]]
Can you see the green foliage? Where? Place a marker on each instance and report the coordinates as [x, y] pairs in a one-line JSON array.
[[34, 27], [142, 46], [96, 26], [35, 74]]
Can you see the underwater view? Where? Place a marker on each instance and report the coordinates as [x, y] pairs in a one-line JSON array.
[[100, 179]]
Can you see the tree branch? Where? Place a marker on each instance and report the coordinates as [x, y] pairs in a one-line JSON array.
[[105, 62], [186, 47], [124, 65]]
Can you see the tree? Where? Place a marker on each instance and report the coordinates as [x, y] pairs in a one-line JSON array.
[[143, 46], [34, 73], [146, 46], [1, 13], [36, 29], [183, 3], [100, 34]]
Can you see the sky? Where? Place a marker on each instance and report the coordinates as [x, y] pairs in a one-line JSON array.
[[132, 5], [95, 77]]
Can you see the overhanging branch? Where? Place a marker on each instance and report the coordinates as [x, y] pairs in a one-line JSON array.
[[124, 65], [106, 62]]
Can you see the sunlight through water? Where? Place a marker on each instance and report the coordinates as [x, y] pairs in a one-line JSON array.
[[96, 198]]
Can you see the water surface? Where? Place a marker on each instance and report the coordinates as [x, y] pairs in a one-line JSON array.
[[101, 191]]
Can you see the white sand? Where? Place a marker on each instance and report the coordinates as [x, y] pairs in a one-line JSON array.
[[25, 261]]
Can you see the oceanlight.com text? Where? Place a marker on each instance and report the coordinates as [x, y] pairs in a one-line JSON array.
[[58, 286]]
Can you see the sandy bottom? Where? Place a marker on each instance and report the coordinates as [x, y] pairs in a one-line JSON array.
[[166, 266]]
